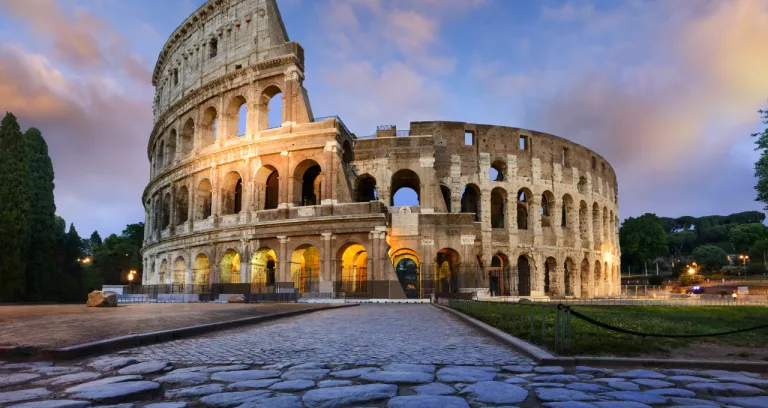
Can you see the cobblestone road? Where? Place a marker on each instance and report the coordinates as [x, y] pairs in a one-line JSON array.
[[366, 334]]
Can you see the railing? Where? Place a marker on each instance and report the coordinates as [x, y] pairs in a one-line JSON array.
[[322, 118]]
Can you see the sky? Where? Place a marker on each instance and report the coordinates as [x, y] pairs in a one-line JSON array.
[[666, 91]]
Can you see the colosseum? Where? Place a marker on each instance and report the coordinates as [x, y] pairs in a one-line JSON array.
[[304, 206]]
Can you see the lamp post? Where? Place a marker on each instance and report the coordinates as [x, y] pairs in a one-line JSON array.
[[744, 259]]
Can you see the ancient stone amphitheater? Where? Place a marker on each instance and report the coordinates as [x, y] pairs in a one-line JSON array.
[[305, 206]]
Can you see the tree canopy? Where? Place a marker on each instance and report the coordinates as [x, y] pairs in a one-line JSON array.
[[642, 239], [710, 257], [761, 166]]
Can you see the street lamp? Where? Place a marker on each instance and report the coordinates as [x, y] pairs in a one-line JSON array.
[[691, 271], [131, 275], [744, 259]]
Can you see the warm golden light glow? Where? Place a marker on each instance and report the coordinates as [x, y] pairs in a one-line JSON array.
[[691, 271]]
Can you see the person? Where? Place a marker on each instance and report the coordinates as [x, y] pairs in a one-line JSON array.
[[735, 296]]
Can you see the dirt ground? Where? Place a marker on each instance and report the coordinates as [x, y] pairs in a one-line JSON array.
[[49, 326]]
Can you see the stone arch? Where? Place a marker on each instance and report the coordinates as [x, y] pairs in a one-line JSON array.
[[471, 200], [201, 270], [237, 112], [586, 291], [347, 153], [523, 208], [209, 127], [606, 279], [182, 205], [351, 268], [267, 183], [498, 170], [547, 208], [498, 208], [569, 277], [598, 279], [447, 261], [161, 155], [163, 277], [204, 200], [166, 212], [267, 95], [582, 185], [170, 147], [305, 268], [583, 220], [407, 266], [365, 189], [187, 137], [500, 282], [606, 226], [179, 271], [232, 197], [551, 278], [307, 183], [568, 213], [264, 268], [229, 267], [524, 275], [405, 178], [596, 227], [611, 231], [446, 193]]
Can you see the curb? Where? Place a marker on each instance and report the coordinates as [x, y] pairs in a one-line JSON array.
[[543, 357], [134, 340]]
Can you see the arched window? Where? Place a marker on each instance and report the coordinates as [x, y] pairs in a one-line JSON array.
[[498, 208], [229, 269], [498, 170], [213, 47], [166, 220], [583, 220], [233, 193], [237, 114], [470, 200], [267, 184], [170, 147], [209, 127], [582, 186], [546, 209], [187, 137], [271, 108], [347, 154], [182, 205], [272, 189], [308, 183], [161, 155], [523, 276], [405, 188], [596, 227], [366, 189], [446, 192], [204, 200], [522, 209]]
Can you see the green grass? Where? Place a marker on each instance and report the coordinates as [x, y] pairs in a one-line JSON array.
[[591, 340]]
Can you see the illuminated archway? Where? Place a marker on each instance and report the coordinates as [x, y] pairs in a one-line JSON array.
[[305, 268], [407, 268], [264, 268], [229, 268], [179, 271], [163, 272], [447, 263], [352, 268], [201, 270]]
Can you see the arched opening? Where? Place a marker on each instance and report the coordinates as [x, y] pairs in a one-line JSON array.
[[237, 115], [305, 268], [204, 200], [523, 276], [307, 183], [596, 227], [179, 271], [567, 212], [550, 276], [233, 193], [229, 268], [201, 270], [263, 269], [447, 271], [498, 207], [583, 220], [161, 155], [166, 216], [569, 277], [598, 280], [162, 279], [611, 231], [187, 138], [209, 127], [606, 279], [446, 192], [267, 188], [498, 170], [406, 264], [271, 108], [170, 148], [366, 189], [499, 277], [470, 200], [347, 154], [182, 205], [547, 208], [523, 206], [606, 225], [405, 188], [582, 186], [154, 167], [352, 269], [585, 289]]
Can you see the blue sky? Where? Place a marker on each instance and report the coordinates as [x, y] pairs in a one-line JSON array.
[[666, 91]]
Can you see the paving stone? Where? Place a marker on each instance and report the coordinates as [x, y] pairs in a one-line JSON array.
[[587, 387], [148, 367], [743, 379], [545, 384], [8, 380], [234, 367], [199, 391], [623, 386], [343, 396], [188, 369], [562, 394], [124, 405], [587, 369], [641, 374], [693, 402], [398, 377], [609, 379], [621, 404], [27, 366], [314, 374], [425, 368], [568, 404], [55, 370], [53, 404], [521, 369], [251, 384], [184, 379], [236, 376], [680, 372], [584, 376], [687, 379], [286, 401], [118, 391], [231, 399], [515, 380], [353, 373], [427, 401], [549, 369], [434, 389], [495, 392], [747, 402], [112, 363], [74, 378], [724, 389], [464, 374], [292, 385], [307, 366], [643, 397], [333, 383], [167, 405], [647, 382], [24, 395], [673, 392], [558, 378], [103, 381]]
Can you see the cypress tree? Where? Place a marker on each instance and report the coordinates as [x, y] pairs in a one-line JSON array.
[[41, 265], [14, 210]]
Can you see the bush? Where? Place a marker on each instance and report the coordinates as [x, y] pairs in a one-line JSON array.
[[690, 280], [655, 280]]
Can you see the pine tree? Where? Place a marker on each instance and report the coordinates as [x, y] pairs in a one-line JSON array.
[[14, 210], [41, 270], [72, 269]]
